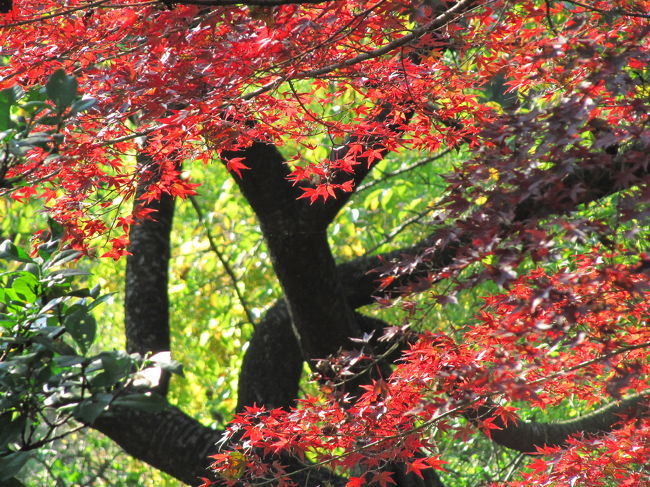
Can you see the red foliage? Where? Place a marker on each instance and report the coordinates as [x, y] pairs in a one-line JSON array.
[[187, 75], [196, 82], [578, 343]]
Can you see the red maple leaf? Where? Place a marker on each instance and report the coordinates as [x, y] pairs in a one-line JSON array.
[[383, 478], [236, 165], [538, 466], [355, 481], [417, 466]]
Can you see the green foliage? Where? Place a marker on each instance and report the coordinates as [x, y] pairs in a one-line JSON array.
[[50, 383], [211, 347], [34, 120], [87, 459], [61, 89]]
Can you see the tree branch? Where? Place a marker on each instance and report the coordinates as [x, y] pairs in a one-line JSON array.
[[146, 304], [386, 176], [525, 436], [377, 143], [267, 188], [360, 285], [441, 20], [257, 3], [173, 442], [168, 440], [272, 365], [301, 257]]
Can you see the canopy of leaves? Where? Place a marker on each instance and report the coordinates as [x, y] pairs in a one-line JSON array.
[[414, 154]]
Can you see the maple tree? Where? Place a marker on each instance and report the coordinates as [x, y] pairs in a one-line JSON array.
[[543, 105]]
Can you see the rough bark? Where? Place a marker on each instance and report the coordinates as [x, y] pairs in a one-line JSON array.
[[323, 213], [360, 283], [301, 257], [146, 310], [178, 445], [272, 365], [168, 440], [316, 318]]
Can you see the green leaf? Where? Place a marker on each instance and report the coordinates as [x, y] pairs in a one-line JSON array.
[[10, 429], [69, 360], [37, 139], [82, 327], [61, 89], [82, 105], [94, 292], [54, 345], [9, 251], [56, 229], [26, 286], [11, 95], [90, 409], [53, 303], [68, 273], [115, 365], [99, 300], [6, 134], [36, 104], [33, 269], [47, 249], [8, 97], [52, 120], [79, 293], [64, 257], [165, 362], [11, 464], [15, 149]]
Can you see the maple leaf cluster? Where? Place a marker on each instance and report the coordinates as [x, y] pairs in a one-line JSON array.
[[580, 332], [191, 79]]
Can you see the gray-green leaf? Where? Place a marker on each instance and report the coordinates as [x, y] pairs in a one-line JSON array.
[[61, 89]]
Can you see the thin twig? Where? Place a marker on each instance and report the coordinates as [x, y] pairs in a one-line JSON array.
[[255, 3], [549, 19], [331, 459], [401, 228], [415, 34], [590, 362], [55, 14], [224, 262], [513, 466], [131, 136], [614, 11], [375, 360], [389, 175], [432, 421], [40, 443]]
